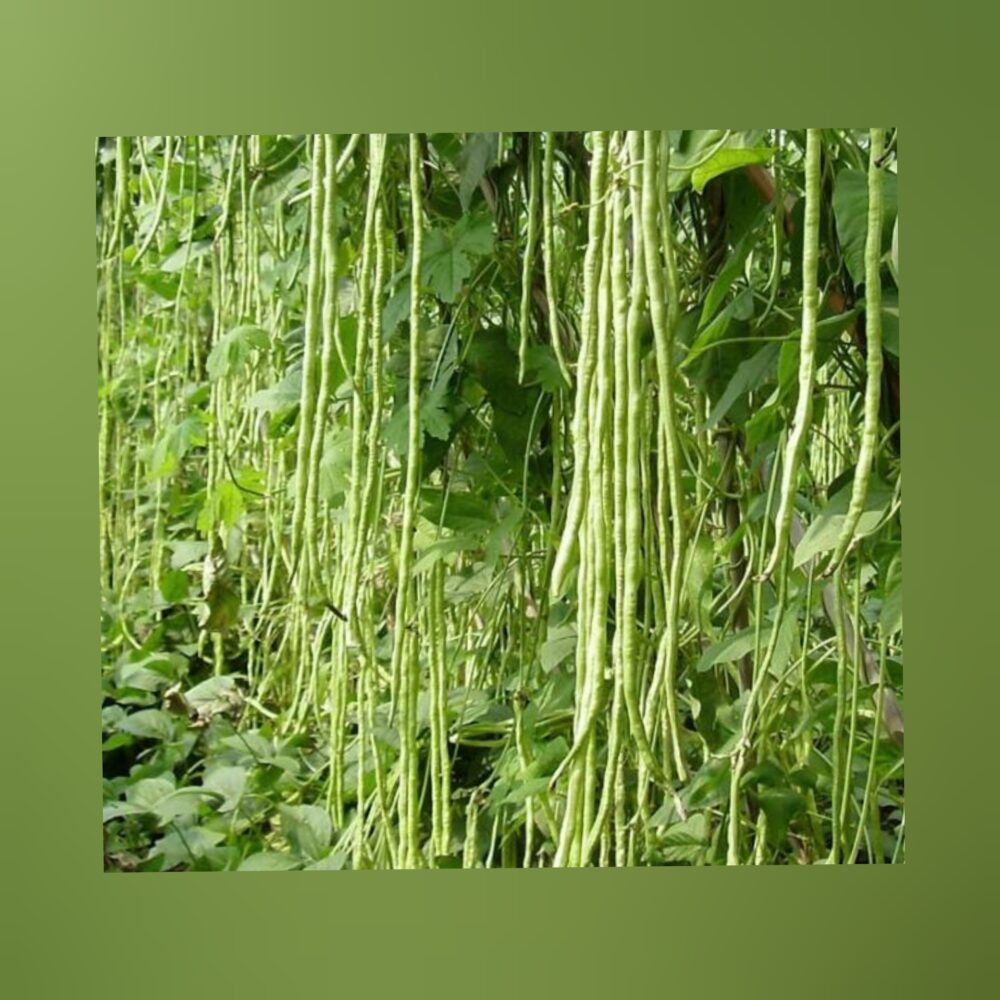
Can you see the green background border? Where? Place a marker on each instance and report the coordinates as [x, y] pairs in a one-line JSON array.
[[71, 71]]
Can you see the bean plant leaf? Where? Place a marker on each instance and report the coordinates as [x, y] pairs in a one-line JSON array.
[[686, 841], [307, 829], [747, 377], [234, 350], [823, 532], [286, 392], [728, 159], [850, 210], [268, 861], [176, 443], [478, 154], [448, 254]]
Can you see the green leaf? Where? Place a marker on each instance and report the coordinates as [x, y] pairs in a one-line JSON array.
[[479, 153], [307, 829], [716, 330], [781, 806], [686, 841], [223, 506], [175, 262], [560, 645], [890, 320], [689, 146], [335, 465], [223, 606], [233, 351], [542, 368], [396, 309], [731, 270], [892, 603], [149, 723], [524, 790], [333, 862], [434, 416], [229, 782], [725, 160], [283, 394], [443, 547], [176, 443], [784, 644], [174, 586], [178, 804], [824, 531], [447, 254], [177, 850], [748, 376], [268, 861], [850, 211], [214, 695], [183, 553], [731, 648], [145, 794]]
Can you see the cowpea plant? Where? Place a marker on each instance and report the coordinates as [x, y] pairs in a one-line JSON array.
[[500, 499]]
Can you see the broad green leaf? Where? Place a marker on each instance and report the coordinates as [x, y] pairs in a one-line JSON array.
[[178, 804], [687, 840], [725, 160], [214, 695], [560, 644], [176, 443], [335, 465], [781, 806], [230, 783], [268, 861], [824, 531], [478, 154], [434, 416], [890, 321], [850, 211], [892, 603], [145, 794], [731, 270], [716, 329], [463, 512], [448, 254], [443, 547], [748, 376], [174, 586], [223, 606], [731, 648], [524, 790], [333, 862], [784, 644], [283, 394], [307, 829], [688, 148], [223, 507], [396, 309], [175, 262], [233, 351], [542, 368], [181, 850], [149, 723], [183, 553]]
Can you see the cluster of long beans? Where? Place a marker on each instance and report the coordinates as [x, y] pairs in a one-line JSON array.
[[636, 525]]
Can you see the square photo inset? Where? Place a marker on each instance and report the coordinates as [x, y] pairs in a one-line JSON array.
[[500, 500]]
